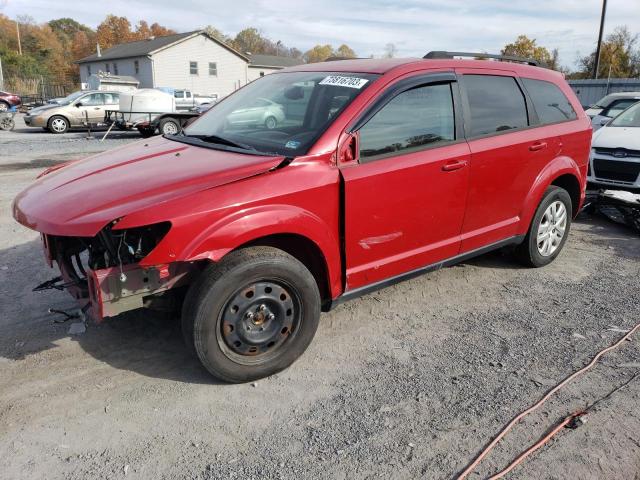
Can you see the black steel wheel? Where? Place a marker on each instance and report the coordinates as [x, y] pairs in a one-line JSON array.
[[251, 315]]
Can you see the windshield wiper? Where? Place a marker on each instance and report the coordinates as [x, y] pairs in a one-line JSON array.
[[223, 141]]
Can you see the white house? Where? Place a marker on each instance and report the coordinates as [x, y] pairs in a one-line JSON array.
[[194, 61]]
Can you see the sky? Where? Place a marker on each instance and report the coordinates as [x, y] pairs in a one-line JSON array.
[[413, 26]]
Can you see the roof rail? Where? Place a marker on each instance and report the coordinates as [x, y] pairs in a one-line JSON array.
[[509, 58]]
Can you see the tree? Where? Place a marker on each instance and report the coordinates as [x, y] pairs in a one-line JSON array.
[[217, 34], [619, 53], [319, 53], [143, 31], [112, 31], [527, 48], [390, 51], [249, 40], [344, 51], [158, 30]]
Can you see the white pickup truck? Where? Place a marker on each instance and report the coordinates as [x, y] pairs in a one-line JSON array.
[[186, 100]]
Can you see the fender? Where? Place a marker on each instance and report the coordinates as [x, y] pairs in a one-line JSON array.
[[251, 224], [557, 167]]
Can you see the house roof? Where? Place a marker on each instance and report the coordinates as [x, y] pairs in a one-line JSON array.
[[273, 61], [149, 46]]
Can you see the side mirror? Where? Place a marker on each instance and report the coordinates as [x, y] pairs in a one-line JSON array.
[[604, 121], [348, 150], [78, 105]]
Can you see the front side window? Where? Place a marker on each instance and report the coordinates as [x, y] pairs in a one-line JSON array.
[[213, 69], [550, 103], [496, 104], [111, 98], [413, 120], [95, 99], [193, 68], [178, 94], [283, 113]]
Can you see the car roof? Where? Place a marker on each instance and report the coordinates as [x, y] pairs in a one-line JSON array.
[[385, 65]]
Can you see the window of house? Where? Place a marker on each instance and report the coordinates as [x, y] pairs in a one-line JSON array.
[[496, 104], [550, 103], [136, 66], [107, 68], [88, 69], [115, 68], [213, 69], [413, 120], [193, 68]]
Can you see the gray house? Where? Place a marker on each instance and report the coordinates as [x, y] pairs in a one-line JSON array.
[[192, 60]]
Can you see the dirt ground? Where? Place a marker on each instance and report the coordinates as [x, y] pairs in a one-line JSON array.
[[409, 382]]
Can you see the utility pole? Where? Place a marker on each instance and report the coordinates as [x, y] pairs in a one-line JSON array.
[[18, 32], [1, 76], [597, 59]]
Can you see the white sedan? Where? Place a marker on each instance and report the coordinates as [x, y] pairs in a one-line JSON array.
[[615, 152], [262, 112]]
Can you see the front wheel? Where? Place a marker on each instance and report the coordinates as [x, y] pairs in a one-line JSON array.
[[252, 314], [549, 229], [271, 123], [58, 124]]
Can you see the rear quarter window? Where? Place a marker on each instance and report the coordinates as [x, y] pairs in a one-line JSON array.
[[496, 104], [551, 104]]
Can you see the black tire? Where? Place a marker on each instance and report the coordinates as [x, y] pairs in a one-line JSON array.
[[271, 122], [58, 124], [171, 125], [147, 132], [211, 318], [528, 251], [4, 106]]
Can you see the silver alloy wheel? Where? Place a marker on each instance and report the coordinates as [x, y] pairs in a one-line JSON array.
[[3, 107], [552, 228], [170, 128], [271, 123], [58, 125]]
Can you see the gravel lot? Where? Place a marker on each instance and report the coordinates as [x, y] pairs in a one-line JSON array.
[[409, 382]]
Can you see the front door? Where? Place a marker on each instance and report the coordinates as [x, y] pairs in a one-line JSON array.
[[405, 194], [90, 108]]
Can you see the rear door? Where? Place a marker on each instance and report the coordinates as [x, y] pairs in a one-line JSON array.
[[405, 190], [506, 154]]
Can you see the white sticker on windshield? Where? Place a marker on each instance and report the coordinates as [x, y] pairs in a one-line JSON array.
[[340, 81]]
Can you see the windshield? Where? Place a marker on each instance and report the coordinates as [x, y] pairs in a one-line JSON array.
[[629, 118], [281, 113], [70, 98]]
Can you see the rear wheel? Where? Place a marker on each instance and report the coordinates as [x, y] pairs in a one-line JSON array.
[[58, 124], [549, 229], [169, 126], [251, 315]]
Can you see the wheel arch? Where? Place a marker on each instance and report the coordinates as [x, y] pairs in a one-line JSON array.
[[562, 172], [289, 228]]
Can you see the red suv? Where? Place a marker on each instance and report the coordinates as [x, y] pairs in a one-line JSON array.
[[378, 170]]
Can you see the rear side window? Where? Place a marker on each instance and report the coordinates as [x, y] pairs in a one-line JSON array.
[[550, 103], [413, 120], [496, 104]]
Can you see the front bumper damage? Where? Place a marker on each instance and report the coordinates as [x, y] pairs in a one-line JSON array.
[[109, 290]]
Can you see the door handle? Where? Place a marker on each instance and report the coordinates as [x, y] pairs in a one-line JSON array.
[[96, 108], [537, 146], [454, 165]]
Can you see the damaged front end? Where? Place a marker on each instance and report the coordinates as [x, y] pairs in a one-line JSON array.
[[104, 275]]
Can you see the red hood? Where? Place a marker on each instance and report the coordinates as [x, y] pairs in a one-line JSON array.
[[82, 197]]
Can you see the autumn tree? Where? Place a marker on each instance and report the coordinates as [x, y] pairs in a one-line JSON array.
[[344, 51], [249, 40], [528, 48], [619, 55], [158, 30], [320, 53], [112, 31]]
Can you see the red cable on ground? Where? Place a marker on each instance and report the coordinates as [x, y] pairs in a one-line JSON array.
[[534, 407]]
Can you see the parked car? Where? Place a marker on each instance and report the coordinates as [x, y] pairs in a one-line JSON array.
[[73, 111], [260, 112], [388, 169], [186, 100], [610, 105], [9, 100], [615, 153]]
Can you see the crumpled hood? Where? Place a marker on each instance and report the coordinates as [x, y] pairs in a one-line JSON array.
[[79, 199]]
